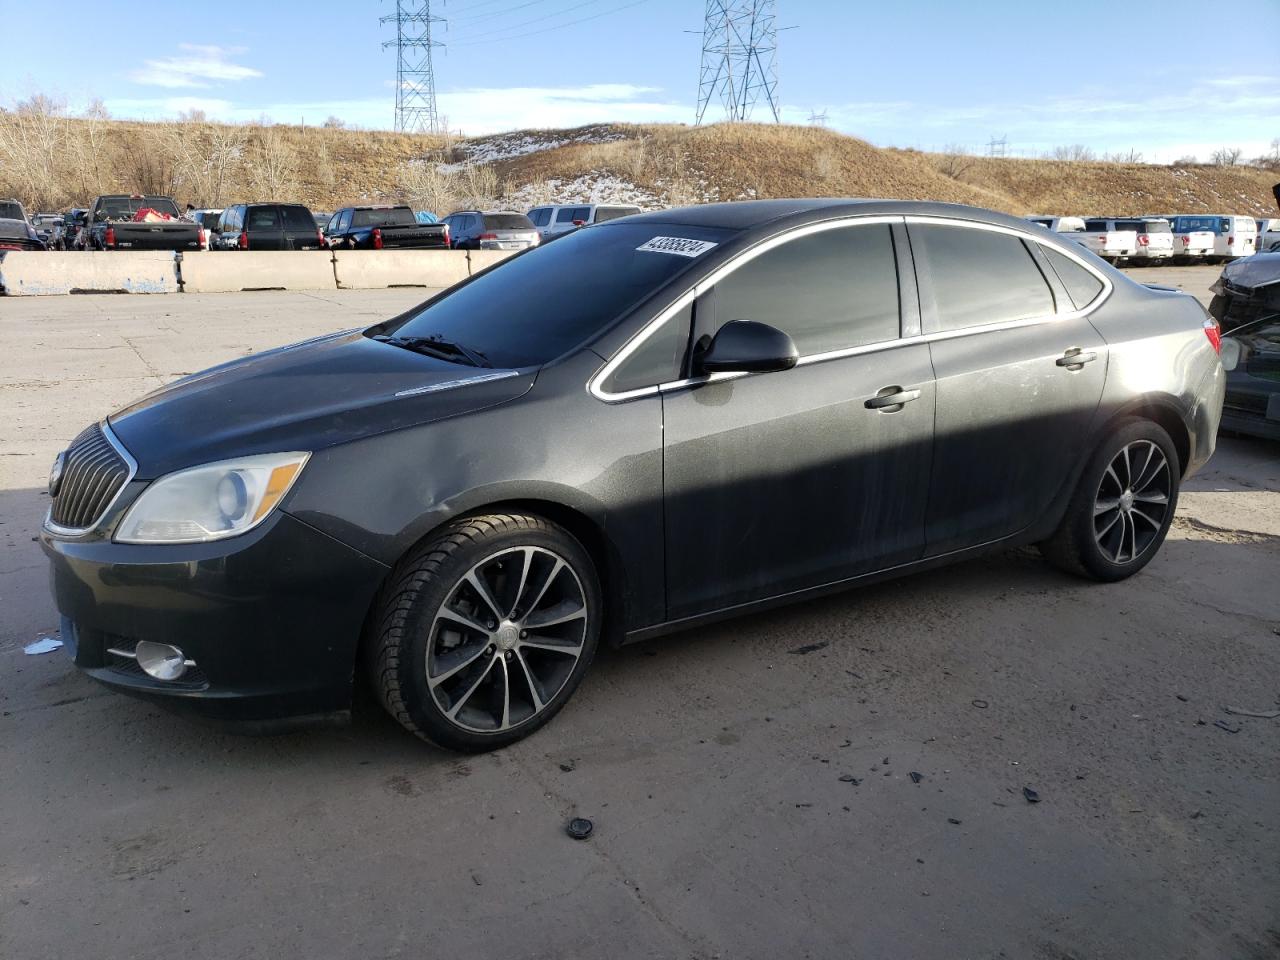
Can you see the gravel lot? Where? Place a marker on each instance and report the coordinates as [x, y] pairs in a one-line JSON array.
[[710, 761]]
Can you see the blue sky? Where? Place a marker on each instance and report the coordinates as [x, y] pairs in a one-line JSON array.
[[1166, 78]]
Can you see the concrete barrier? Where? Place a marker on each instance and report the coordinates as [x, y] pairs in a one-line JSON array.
[[375, 269], [231, 271], [478, 260], [31, 274]]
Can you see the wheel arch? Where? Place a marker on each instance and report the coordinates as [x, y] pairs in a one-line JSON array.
[[1162, 409]]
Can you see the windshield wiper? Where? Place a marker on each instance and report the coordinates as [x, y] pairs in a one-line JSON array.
[[439, 347]]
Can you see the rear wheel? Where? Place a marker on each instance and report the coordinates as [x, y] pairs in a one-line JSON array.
[[485, 632], [1123, 505]]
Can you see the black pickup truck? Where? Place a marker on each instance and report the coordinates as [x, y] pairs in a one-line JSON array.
[[379, 227], [112, 225]]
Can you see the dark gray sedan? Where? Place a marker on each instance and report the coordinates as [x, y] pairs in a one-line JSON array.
[[648, 425]]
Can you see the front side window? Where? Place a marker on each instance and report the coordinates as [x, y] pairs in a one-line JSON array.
[[829, 290], [980, 276], [659, 359], [541, 304]]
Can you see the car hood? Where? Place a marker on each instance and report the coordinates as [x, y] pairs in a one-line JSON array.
[[306, 396], [1248, 273]]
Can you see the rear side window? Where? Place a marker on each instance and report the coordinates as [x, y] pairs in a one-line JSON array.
[[829, 290], [263, 218], [1095, 226], [981, 276], [570, 214], [541, 217], [1082, 286], [298, 218], [507, 221], [659, 359], [613, 213], [1129, 225]]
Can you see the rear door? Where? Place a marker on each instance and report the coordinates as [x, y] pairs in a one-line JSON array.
[[780, 481], [262, 223], [1019, 374], [298, 227]]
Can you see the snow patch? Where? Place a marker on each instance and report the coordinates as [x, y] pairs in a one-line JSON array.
[[507, 146], [589, 188]]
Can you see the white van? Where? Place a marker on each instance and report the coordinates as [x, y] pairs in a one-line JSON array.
[[1059, 224], [1268, 233], [1232, 236]]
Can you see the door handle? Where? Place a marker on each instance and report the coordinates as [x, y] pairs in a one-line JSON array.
[[1075, 357], [891, 399]]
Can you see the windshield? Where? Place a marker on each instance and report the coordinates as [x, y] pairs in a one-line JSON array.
[[543, 303], [11, 211], [385, 217], [507, 221], [123, 208]]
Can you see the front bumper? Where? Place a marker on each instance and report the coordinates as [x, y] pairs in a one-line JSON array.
[[272, 619]]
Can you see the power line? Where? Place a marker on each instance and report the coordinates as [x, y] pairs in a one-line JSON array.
[[739, 51], [415, 73], [495, 13], [524, 23], [533, 33]]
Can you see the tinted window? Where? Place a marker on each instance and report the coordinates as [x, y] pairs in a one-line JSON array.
[[540, 218], [613, 213], [1129, 225], [507, 221], [384, 217], [344, 223], [541, 304], [659, 359], [570, 214], [263, 218], [298, 218], [11, 211], [981, 276], [829, 290], [1095, 226], [1082, 286]]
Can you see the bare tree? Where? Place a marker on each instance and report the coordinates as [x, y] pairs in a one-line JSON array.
[[31, 141], [1133, 156], [1074, 152], [955, 160], [273, 172], [334, 123], [424, 187], [1226, 156]]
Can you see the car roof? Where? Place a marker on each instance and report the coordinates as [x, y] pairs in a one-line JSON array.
[[760, 214]]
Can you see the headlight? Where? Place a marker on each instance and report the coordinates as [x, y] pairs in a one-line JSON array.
[[211, 502]]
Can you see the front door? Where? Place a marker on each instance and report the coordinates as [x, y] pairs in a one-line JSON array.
[[780, 481], [1019, 374]]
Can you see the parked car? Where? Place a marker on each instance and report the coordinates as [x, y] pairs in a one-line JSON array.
[[47, 226], [1155, 238], [494, 230], [321, 219], [1116, 239], [16, 232], [208, 219], [1232, 236], [1247, 290], [383, 226], [1251, 359], [1268, 233], [73, 222], [558, 219], [1193, 238], [266, 226], [1059, 224], [112, 225], [643, 427]]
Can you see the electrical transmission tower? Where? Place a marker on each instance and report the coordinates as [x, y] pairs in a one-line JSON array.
[[739, 45], [415, 76]]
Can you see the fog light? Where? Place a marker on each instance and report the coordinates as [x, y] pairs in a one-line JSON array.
[[161, 660]]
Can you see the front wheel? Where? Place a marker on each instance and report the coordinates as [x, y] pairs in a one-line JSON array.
[[1122, 507], [485, 632]]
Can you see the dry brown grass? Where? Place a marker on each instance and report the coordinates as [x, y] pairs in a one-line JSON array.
[[56, 162]]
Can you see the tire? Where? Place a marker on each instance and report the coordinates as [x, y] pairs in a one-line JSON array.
[[1116, 522], [471, 673]]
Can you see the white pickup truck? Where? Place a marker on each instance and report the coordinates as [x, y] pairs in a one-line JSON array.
[[1268, 234], [1193, 237]]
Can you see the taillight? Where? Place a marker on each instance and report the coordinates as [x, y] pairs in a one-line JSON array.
[[1214, 333], [376, 237], [200, 240], [109, 238], [448, 241], [579, 223], [1186, 241], [488, 236], [243, 241], [1143, 239], [319, 238]]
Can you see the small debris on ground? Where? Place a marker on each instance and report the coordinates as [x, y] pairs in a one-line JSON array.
[[43, 645], [809, 648], [916, 777], [980, 704], [798, 805], [579, 828], [849, 778], [1260, 714], [1223, 725], [1181, 697], [953, 820], [567, 767], [1031, 795], [475, 878]]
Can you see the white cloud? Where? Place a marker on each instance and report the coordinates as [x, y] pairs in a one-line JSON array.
[[196, 66]]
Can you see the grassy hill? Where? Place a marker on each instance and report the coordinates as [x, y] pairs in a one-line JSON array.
[[54, 162]]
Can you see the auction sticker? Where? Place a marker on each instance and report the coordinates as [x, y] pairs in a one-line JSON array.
[[677, 245]]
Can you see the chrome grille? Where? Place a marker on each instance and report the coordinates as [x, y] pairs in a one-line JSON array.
[[94, 473]]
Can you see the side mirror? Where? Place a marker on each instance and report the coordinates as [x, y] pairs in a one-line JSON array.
[[745, 346], [1230, 354]]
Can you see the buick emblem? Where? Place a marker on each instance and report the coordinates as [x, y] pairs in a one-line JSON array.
[[55, 474]]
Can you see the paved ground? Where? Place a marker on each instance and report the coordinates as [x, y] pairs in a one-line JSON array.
[[709, 761]]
